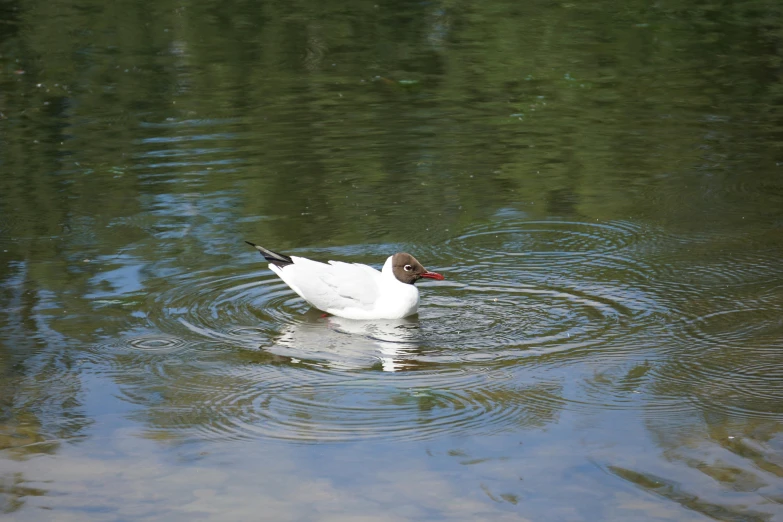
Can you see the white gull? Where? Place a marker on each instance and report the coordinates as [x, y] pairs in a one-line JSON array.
[[353, 290]]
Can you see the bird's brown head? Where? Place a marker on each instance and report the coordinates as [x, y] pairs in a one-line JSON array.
[[408, 270]]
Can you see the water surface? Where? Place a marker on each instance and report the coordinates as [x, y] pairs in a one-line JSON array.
[[600, 185]]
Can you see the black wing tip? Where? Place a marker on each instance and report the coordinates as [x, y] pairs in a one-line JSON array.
[[276, 259]]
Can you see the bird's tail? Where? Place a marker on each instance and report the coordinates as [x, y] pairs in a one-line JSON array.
[[276, 259]]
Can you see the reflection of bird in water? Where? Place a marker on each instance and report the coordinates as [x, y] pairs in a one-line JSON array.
[[349, 344]]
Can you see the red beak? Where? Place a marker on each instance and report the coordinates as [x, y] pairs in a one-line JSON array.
[[433, 275]]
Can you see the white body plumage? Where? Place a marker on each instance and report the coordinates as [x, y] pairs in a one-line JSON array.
[[350, 290]]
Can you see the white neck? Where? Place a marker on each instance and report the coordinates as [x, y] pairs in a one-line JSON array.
[[387, 269], [398, 299]]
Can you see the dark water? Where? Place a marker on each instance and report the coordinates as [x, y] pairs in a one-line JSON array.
[[601, 184]]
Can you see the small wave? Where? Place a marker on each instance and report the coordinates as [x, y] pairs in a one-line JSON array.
[[541, 243]]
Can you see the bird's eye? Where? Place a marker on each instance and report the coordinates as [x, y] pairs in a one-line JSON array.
[[408, 268]]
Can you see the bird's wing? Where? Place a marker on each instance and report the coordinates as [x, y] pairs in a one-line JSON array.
[[334, 286]]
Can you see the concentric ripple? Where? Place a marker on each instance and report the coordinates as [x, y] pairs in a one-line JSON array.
[[297, 404], [730, 360], [542, 243], [730, 328], [157, 344], [533, 318], [297, 375], [508, 322]]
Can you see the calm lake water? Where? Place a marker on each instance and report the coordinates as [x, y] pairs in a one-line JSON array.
[[601, 184]]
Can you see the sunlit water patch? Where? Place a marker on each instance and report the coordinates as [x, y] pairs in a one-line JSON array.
[[722, 467]]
